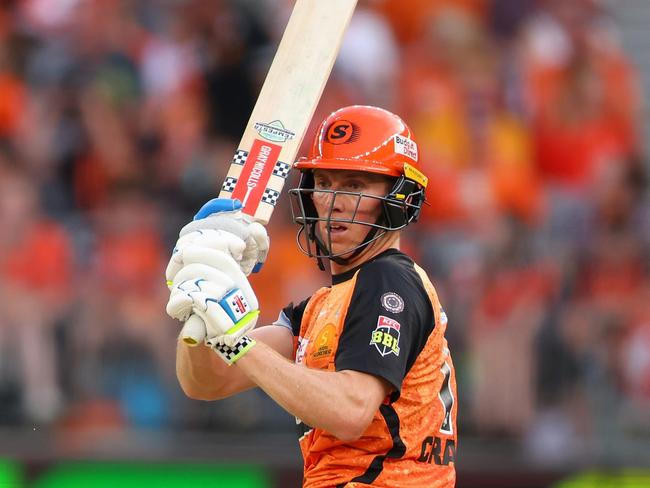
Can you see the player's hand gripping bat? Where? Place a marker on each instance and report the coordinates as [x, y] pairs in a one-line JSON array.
[[282, 113]]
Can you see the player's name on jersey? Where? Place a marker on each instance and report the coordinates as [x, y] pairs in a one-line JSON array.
[[437, 450]]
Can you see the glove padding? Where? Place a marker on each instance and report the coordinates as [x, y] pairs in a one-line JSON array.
[[220, 224], [212, 286]]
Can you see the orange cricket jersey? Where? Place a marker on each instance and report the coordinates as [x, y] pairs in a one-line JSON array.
[[384, 319]]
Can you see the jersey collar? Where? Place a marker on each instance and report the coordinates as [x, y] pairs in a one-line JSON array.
[[347, 275]]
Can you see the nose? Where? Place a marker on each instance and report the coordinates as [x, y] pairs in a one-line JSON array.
[[329, 201], [333, 203]]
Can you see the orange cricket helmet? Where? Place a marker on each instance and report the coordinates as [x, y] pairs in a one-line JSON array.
[[367, 139], [364, 138]]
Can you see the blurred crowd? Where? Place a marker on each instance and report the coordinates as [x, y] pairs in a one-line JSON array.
[[118, 119]]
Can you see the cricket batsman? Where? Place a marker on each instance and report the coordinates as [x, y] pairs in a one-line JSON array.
[[362, 364]]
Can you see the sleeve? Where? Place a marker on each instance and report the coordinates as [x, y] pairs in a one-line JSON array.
[[291, 317], [388, 322]]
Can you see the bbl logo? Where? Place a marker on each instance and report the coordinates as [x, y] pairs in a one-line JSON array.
[[342, 132], [385, 337]]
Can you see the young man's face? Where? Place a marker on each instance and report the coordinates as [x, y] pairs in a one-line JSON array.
[[343, 235]]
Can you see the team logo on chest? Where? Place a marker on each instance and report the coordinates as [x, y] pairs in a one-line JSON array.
[[324, 343], [385, 337]]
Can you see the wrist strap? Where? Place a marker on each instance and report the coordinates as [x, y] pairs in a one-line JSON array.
[[231, 354]]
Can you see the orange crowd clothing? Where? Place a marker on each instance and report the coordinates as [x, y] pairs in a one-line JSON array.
[[13, 99], [409, 19], [40, 261], [384, 319], [584, 116]]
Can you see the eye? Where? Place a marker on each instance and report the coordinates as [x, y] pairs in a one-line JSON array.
[[355, 185], [321, 183]]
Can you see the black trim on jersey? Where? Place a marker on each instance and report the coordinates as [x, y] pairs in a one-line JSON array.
[[294, 313], [347, 275], [302, 429], [391, 272], [397, 451]]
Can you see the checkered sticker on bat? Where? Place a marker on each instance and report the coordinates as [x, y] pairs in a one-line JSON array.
[[270, 196], [240, 157], [281, 169], [229, 184]]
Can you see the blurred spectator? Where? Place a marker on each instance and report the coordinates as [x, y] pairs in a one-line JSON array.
[[472, 146], [583, 93], [515, 292], [122, 339], [369, 57], [37, 270], [410, 23]]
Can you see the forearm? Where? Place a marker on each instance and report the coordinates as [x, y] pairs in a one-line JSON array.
[[320, 399], [200, 372], [204, 376]]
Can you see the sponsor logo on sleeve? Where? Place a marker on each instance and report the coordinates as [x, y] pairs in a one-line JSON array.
[[392, 302], [385, 337]]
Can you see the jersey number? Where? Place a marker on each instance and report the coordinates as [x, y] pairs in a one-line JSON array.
[[446, 397]]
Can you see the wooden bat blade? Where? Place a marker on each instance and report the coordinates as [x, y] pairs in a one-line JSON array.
[[286, 104]]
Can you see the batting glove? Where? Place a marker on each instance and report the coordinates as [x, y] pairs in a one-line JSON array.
[[220, 224], [214, 289]]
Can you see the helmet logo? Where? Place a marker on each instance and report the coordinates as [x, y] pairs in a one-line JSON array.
[[342, 132]]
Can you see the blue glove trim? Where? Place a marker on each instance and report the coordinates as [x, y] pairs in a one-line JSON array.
[[217, 205]]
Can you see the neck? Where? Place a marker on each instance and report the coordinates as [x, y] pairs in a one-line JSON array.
[[390, 241]]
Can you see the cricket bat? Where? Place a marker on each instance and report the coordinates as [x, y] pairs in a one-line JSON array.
[[282, 113]]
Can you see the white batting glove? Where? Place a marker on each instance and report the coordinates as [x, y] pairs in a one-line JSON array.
[[220, 224], [213, 290]]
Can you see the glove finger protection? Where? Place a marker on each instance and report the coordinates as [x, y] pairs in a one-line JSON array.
[[225, 214], [222, 262], [180, 304], [240, 301], [222, 298], [193, 278], [257, 248], [208, 238]]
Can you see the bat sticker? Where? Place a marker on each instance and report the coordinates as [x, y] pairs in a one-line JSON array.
[[255, 175], [274, 131]]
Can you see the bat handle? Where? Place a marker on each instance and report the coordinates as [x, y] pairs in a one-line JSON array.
[[193, 332]]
